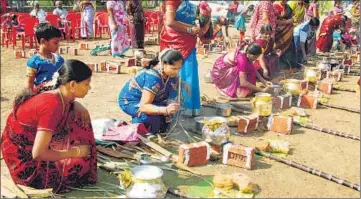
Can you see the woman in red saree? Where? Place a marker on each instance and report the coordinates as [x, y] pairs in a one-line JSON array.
[[44, 145], [263, 14], [268, 63], [180, 32], [329, 24]]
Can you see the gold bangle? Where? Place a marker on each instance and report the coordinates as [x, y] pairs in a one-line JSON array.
[[77, 151]]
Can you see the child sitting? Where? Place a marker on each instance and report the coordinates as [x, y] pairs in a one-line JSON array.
[[42, 66], [338, 44]]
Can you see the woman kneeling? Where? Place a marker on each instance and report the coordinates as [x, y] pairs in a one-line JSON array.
[[234, 74], [44, 145], [149, 96]]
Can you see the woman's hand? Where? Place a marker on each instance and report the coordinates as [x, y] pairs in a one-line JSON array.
[[265, 73], [81, 113], [279, 52], [195, 30], [172, 108], [267, 89], [81, 151]]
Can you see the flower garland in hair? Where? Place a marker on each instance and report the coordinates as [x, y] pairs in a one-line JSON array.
[[55, 78]]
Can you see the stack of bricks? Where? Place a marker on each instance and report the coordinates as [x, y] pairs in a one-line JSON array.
[[325, 86], [94, 67], [83, 46], [282, 101]]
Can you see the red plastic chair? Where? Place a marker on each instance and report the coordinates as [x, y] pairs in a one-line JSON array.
[[74, 27], [29, 25], [102, 25], [53, 19]]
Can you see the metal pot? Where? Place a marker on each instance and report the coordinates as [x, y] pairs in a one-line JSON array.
[[311, 74], [276, 89], [200, 121], [224, 110]]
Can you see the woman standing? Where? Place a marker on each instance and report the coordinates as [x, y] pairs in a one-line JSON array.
[[312, 11], [298, 8], [136, 25], [88, 12], [117, 17], [44, 145], [180, 32], [264, 14], [284, 34]]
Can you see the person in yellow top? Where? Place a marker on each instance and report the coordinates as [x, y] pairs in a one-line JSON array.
[[299, 9]]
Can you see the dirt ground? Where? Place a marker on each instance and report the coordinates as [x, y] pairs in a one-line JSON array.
[[331, 154]]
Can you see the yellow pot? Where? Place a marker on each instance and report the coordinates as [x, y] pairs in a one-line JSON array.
[[311, 74], [293, 86], [262, 104]]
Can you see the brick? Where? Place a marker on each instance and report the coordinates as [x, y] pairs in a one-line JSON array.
[[19, 54], [282, 102], [238, 155], [280, 124], [194, 154], [93, 67], [103, 66], [83, 46], [322, 74], [131, 62], [73, 51], [63, 50], [247, 124], [325, 86], [113, 68], [336, 75], [308, 101]]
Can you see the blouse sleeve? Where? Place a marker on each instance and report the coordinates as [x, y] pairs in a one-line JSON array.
[[32, 63], [152, 84], [110, 4], [49, 114]]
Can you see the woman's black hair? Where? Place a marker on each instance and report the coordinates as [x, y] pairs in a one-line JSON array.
[[306, 1], [254, 49], [314, 21], [251, 7], [169, 57], [46, 31], [266, 28], [72, 70]]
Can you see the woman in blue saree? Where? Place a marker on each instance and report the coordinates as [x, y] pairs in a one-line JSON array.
[[150, 96], [180, 32]]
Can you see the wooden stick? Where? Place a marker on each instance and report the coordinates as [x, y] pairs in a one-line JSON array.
[[311, 170], [155, 146], [340, 107], [329, 131]]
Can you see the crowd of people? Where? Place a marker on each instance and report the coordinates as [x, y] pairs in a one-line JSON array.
[[48, 139]]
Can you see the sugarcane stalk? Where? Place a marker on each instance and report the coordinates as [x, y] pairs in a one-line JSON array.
[[345, 89], [311, 170], [328, 131], [340, 107]]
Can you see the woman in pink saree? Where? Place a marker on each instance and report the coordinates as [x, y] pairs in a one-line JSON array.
[[234, 74]]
